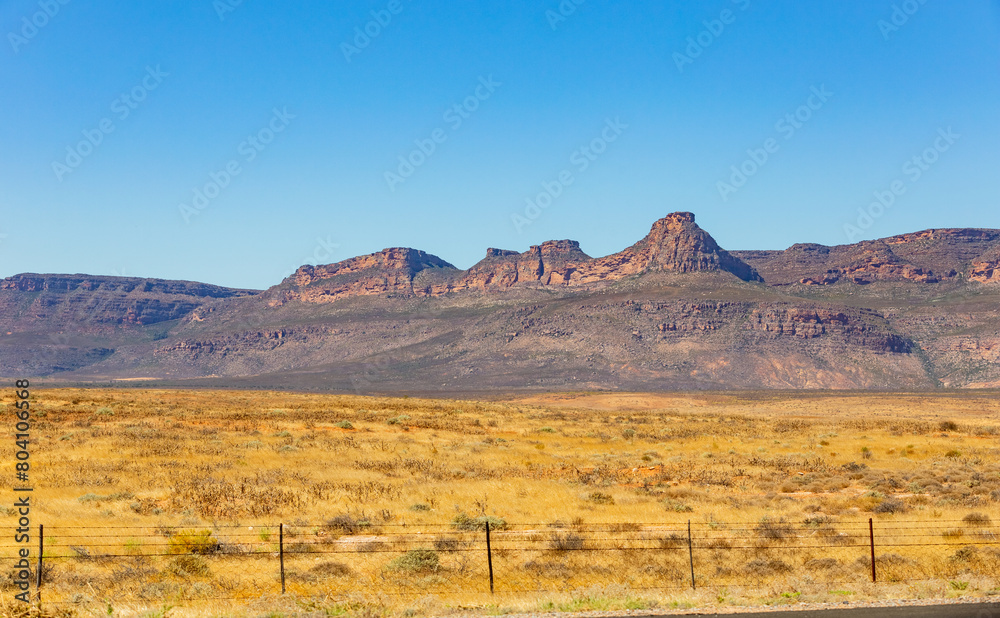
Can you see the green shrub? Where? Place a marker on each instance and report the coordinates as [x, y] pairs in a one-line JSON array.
[[416, 560], [469, 524], [344, 425], [398, 420], [193, 542]]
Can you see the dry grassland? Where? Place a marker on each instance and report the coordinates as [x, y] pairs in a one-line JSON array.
[[168, 502]]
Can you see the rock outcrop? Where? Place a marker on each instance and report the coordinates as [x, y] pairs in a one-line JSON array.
[[675, 244], [672, 311]]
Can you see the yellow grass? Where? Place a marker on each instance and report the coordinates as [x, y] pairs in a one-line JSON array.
[[596, 491]]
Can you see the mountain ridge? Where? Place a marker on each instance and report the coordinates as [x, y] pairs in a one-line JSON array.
[[673, 310]]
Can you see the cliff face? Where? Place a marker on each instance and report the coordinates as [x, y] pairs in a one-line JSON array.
[[986, 267], [929, 256], [86, 299], [675, 244], [672, 311]]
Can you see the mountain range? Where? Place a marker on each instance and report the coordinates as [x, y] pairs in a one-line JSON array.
[[673, 311]]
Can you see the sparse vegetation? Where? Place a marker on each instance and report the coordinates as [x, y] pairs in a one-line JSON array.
[[208, 476]]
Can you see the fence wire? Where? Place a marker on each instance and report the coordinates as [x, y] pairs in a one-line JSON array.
[[83, 565]]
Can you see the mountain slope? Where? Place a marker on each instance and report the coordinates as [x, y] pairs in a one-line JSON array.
[[672, 311]]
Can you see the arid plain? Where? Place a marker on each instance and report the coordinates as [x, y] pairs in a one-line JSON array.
[[161, 502]]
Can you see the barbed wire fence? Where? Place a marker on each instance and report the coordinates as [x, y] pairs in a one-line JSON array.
[[344, 558]]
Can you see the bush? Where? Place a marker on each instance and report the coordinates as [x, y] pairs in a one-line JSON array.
[[416, 560], [419, 507], [764, 566], [398, 420], [598, 497], [344, 425], [333, 569], [470, 524], [187, 566], [775, 530], [565, 542], [890, 505], [677, 506], [977, 519], [193, 542], [948, 426], [953, 454], [446, 543], [345, 524]]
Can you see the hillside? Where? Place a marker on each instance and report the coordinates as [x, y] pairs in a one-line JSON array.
[[673, 311]]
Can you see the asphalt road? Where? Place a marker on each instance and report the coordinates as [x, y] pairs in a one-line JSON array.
[[956, 610]]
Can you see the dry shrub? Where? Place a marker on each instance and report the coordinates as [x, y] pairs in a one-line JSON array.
[[672, 540], [763, 567], [821, 564], [774, 530], [977, 519], [188, 566], [890, 505], [565, 542], [598, 497], [549, 568], [347, 524], [331, 569]]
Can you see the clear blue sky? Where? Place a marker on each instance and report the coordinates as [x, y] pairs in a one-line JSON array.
[[532, 89]]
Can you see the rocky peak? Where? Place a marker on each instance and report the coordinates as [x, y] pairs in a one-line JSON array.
[[676, 243], [499, 253], [561, 249]]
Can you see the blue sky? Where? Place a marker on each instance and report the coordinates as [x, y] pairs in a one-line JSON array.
[[608, 115]]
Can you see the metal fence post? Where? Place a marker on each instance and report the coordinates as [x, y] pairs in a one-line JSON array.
[[871, 537], [281, 554], [489, 554], [691, 555]]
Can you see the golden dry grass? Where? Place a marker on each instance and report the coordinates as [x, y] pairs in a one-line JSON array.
[[596, 489]]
